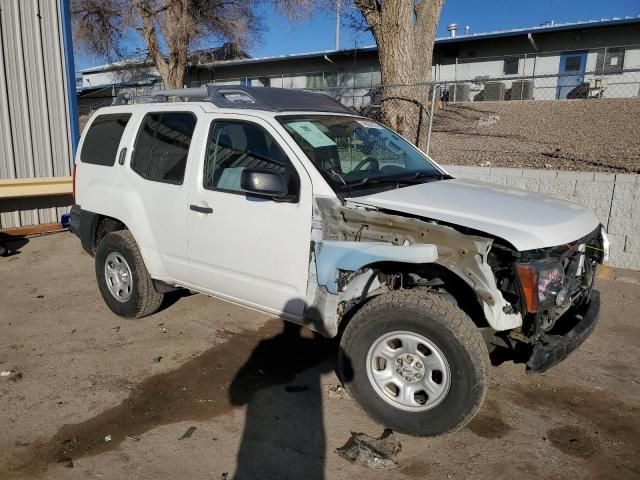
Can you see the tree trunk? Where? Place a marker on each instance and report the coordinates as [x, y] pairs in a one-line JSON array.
[[174, 75], [404, 31], [175, 30]]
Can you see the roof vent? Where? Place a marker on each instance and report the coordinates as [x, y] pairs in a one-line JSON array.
[[236, 96], [453, 28]]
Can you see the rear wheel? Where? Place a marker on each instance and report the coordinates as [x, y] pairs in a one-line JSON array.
[[124, 282], [415, 363]]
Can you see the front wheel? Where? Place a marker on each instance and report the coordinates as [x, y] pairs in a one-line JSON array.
[[415, 362]]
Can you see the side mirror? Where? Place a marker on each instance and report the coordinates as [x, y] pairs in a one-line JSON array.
[[266, 183]]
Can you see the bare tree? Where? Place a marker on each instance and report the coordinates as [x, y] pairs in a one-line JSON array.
[[404, 31], [170, 29]]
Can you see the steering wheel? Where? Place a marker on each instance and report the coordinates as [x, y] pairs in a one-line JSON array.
[[369, 160], [328, 164]]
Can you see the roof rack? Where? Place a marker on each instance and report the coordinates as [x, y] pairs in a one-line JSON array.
[[255, 98]]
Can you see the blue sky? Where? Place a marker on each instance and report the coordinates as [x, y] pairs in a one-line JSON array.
[[318, 33]]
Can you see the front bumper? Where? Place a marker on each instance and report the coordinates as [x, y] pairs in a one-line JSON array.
[[552, 349]]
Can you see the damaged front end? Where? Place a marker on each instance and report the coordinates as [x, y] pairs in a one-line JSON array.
[[538, 303], [359, 252], [555, 287]]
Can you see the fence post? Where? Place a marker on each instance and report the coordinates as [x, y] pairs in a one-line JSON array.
[[524, 66], [433, 102], [455, 81], [604, 62]]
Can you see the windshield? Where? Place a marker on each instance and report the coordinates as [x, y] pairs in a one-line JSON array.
[[355, 153]]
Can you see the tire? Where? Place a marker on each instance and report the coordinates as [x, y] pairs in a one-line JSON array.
[[439, 330], [137, 295]]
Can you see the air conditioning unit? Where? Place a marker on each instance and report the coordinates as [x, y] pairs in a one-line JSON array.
[[522, 90], [494, 91], [459, 92]]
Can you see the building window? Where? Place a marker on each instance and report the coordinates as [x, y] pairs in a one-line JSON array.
[[511, 65], [264, 81], [573, 63], [612, 63], [330, 79], [314, 80]]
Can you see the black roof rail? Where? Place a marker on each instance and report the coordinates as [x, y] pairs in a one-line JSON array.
[[273, 99], [256, 98]]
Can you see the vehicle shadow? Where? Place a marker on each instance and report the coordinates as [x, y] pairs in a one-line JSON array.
[[274, 371], [284, 436], [11, 244], [172, 297], [502, 355]]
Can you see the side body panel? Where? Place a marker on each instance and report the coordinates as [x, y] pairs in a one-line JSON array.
[[94, 183], [251, 250], [155, 212]]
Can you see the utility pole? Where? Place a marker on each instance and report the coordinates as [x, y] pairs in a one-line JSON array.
[[337, 24]]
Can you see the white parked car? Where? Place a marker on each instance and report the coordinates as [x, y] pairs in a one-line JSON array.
[[289, 203]]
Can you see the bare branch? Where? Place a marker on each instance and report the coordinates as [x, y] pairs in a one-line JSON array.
[[370, 10], [170, 29]]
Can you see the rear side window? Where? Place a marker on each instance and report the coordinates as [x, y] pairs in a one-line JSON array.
[[162, 146], [101, 142]]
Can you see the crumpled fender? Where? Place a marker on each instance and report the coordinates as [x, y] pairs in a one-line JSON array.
[[332, 256]]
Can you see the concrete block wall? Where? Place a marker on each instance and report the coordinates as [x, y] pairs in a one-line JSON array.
[[614, 197]]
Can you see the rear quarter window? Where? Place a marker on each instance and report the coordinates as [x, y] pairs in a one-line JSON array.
[[101, 142], [162, 146]]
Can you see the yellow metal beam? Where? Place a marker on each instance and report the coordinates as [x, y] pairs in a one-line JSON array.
[[35, 187]]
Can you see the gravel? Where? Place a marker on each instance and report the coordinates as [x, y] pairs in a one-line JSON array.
[[588, 135]]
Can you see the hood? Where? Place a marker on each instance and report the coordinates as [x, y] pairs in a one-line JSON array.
[[526, 220]]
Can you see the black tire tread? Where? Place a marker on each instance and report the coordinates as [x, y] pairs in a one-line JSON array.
[[148, 299], [441, 310]]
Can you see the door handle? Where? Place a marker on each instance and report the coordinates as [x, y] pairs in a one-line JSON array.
[[123, 154], [199, 209]]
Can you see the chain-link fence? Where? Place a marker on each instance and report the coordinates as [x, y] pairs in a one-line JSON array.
[[486, 119], [608, 72]]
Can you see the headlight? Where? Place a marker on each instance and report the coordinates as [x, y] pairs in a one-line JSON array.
[[542, 285]]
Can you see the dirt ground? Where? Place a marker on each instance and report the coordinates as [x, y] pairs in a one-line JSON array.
[[96, 396], [587, 135]]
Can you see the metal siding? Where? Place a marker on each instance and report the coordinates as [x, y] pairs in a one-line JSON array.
[[16, 89], [6, 141], [55, 77], [35, 132], [18, 102], [37, 88]]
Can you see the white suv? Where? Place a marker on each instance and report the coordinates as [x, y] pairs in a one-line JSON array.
[[289, 203]]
